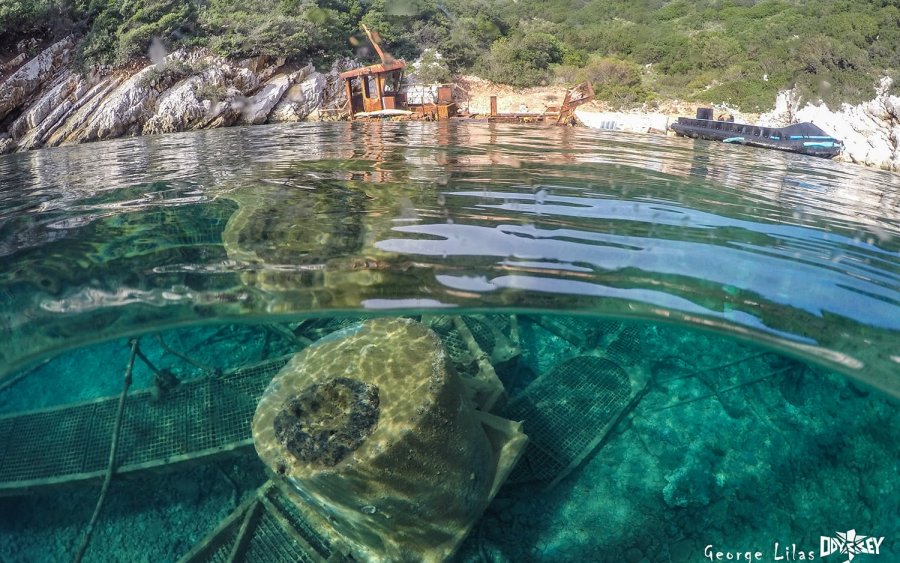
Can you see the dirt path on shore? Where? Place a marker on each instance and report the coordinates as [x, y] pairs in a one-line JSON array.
[[478, 91]]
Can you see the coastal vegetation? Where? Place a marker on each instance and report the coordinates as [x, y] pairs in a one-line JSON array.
[[740, 52]]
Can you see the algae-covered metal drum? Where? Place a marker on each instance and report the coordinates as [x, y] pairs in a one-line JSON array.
[[379, 437]]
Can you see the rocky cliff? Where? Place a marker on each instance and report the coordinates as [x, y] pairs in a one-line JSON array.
[[870, 131], [45, 102]]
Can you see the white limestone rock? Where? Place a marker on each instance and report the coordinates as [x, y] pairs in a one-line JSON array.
[[125, 110], [82, 110], [222, 113], [787, 103], [868, 130], [16, 89], [262, 66], [13, 62], [334, 96], [300, 100], [122, 111], [213, 98], [218, 72], [260, 105], [36, 137], [178, 108], [45, 104], [7, 144]]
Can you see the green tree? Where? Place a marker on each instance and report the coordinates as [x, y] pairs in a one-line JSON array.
[[523, 60]]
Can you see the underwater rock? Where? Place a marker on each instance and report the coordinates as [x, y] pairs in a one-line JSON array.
[[370, 427]]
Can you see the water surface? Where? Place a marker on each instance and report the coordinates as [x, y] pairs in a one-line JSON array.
[[119, 237], [755, 295]]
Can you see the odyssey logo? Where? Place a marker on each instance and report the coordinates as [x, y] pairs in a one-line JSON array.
[[850, 544]]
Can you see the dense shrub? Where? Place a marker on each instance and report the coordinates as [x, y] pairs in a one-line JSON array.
[[523, 60], [616, 81], [21, 19], [738, 51], [165, 75]]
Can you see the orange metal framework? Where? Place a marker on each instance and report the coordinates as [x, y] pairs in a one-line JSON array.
[[378, 87]]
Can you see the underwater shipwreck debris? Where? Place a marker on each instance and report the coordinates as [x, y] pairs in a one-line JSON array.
[[268, 526], [379, 441], [113, 449], [568, 412], [407, 464], [201, 420]]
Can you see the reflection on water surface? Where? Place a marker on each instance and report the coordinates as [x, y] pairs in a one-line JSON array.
[[112, 238], [574, 265]]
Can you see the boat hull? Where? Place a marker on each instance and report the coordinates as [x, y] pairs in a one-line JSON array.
[[802, 138]]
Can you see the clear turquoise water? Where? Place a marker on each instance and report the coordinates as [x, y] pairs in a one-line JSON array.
[[758, 292]]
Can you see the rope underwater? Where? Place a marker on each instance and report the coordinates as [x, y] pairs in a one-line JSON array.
[[110, 469]]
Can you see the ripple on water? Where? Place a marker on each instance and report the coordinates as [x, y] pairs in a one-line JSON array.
[[135, 234]]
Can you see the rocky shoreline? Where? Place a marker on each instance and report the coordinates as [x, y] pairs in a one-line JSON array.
[[46, 102], [870, 130]]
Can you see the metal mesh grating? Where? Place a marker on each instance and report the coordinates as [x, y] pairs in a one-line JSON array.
[[456, 348], [583, 333], [503, 323], [177, 234], [188, 226], [627, 345], [222, 553], [271, 542], [300, 523], [482, 333], [276, 530], [566, 414], [197, 418]]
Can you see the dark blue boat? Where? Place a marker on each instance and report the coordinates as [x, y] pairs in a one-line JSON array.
[[803, 138]]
